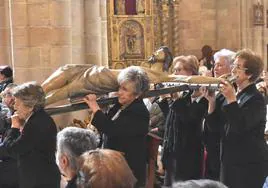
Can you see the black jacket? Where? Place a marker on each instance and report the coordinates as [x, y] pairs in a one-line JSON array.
[[35, 149], [211, 139], [4, 83], [244, 152], [127, 134], [183, 136]]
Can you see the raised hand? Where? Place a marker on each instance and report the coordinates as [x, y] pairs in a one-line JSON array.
[[228, 91], [210, 96], [91, 101]]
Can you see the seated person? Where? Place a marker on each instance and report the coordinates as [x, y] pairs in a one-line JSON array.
[[103, 168], [34, 145], [71, 143]]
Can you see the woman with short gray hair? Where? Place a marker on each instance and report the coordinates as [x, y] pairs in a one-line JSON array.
[[31, 94], [137, 76], [126, 124], [32, 139]]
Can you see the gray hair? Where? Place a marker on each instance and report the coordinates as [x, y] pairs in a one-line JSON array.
[[11, 85], [8, 90], [202, 183], [74, 141], [31, 94], [136, 75], [228, 55]]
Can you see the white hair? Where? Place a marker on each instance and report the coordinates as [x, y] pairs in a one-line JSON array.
[[227, 54]]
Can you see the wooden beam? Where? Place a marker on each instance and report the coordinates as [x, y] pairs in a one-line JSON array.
[[171, 88], [107, 101]]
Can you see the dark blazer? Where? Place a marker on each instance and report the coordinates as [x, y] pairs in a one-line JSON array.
[[127, 134], [211, 139], [244, 152], [35, 149], [183, 137], [4, 84], [8, 165]]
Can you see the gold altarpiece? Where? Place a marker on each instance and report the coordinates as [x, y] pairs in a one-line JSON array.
[[136, 28]]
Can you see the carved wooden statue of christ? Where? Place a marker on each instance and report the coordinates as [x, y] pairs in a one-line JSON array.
[[74, 80]]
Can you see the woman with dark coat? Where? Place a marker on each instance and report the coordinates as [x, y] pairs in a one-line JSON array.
[[32, 139], [241, 119], [183, 149], [126, 124]]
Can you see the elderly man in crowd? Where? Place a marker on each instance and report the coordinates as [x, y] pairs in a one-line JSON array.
[[8, 165], [71, 143]]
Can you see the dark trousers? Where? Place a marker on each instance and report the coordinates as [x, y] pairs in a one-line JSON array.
[[170, 171]]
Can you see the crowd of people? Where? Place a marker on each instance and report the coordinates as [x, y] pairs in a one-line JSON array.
[[210, 138]]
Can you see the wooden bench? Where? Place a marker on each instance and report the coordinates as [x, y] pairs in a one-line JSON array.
[[153, 144]]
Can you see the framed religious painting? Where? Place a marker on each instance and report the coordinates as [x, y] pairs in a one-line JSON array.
[[266, 18], [258, 14]]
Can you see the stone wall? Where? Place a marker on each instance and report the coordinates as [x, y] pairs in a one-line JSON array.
[[228, 24], [221, 24], [5, 50], [197, 25], [48, 34]]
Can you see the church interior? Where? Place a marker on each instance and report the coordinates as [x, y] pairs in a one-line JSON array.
[[39, 36]]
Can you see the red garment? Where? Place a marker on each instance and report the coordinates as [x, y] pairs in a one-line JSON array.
[[205, 154], [130, 6]]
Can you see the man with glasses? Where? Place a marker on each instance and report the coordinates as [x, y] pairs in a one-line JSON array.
[[8, 165], [7, 108]]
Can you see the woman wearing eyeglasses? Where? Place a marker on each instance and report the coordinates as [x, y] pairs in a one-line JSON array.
[[241, 121], [182, 144]]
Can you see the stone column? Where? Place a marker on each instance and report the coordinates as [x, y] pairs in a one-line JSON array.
[[246, 25], [42, 38], [61, 20], [104, 30], [96, 45], [5, 34], [78, 31]]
